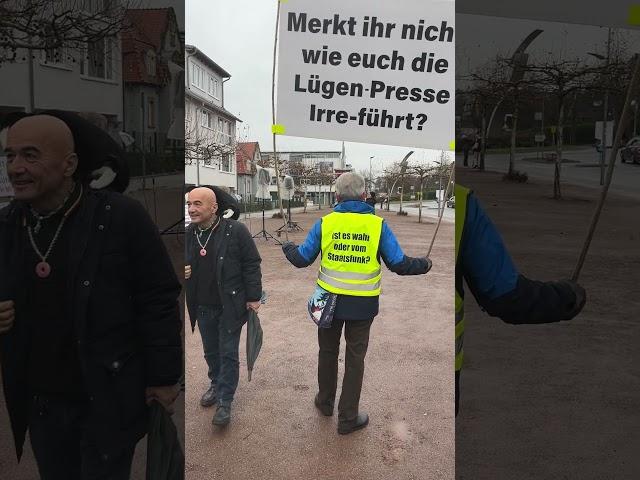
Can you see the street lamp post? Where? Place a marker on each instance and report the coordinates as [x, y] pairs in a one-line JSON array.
[[605, 115], [370, 177]]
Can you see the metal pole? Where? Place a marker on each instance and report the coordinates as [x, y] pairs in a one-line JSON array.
[[606, 111], [32, 102], [273, 118]]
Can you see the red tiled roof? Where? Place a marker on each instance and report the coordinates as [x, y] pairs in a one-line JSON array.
[[144, 31], [245, 152]]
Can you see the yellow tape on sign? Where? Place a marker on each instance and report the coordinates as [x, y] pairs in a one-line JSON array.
[[278, 129], [452, 145], [634, 15]]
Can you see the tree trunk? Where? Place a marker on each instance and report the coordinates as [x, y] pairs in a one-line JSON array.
[[557, 193], [484, 135], [572, 135], [420, 204], [305, 199]]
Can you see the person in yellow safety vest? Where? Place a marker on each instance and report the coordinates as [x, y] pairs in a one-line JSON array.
[[482, 260], [352, 240]]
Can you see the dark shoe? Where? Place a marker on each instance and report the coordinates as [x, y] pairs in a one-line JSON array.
[[327, 410], [209, 399], [361, 421], [222, 416]]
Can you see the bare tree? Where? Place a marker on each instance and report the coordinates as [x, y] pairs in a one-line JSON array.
[[302, 174], [390, 177], [53, 25], [561, 79], [502, 79], [422, 172]]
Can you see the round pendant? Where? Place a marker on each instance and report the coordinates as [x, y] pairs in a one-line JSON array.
[[43, 269], [203, 252]]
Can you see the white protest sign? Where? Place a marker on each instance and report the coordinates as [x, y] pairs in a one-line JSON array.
[[5, 187], [371, 72]]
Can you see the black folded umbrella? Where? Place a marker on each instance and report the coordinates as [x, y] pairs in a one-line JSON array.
[[254, 340], [165, 458]]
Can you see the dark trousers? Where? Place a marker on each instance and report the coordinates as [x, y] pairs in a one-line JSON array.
[[356, 334], [56, 431], [220, 352]]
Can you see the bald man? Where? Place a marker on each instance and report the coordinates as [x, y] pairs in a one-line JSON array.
[[89, 319], [224, 281]]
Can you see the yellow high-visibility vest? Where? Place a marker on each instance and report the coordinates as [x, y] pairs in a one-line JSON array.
[[349, 244], [461, 196]]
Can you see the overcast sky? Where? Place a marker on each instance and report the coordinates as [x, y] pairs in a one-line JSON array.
[[480, 38], [238, 36]]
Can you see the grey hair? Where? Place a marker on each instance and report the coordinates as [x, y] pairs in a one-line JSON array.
[[350, 186]]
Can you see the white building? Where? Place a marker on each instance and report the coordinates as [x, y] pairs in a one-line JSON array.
[[85, 78], [210, 130]]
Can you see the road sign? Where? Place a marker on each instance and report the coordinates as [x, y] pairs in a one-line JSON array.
[[540, 137], [553, 129], [537, 116]]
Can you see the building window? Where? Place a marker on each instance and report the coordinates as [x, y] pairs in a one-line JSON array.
[[213, 87], [54, 52], [198, 77], [98, 61], [224, 132], [207, 119], [151, 113], [226, 165], [150, 62]]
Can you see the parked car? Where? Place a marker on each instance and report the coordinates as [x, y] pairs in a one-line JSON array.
[[451, 203], [630, 153]]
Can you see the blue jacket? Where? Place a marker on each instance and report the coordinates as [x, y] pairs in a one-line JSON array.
[[496, 284], [350, 307], [491, 272]]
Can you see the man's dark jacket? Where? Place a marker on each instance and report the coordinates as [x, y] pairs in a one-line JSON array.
[[237, 272], [123, 297]]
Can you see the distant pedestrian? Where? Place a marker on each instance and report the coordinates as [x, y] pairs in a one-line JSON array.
[[477, 147], [466, 143], [371, 200]]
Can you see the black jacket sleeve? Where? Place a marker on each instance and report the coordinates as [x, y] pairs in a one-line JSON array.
[[155, 298], [251, 274], [533, 302], [290, 250], [410, 265]]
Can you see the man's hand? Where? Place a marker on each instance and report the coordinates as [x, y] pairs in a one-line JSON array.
[[428, 264], [187, 272], [7, 316], [580, 298], [166, 396], [288, 246], [253, 306]]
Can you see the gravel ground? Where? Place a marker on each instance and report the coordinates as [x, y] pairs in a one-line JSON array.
[[561, 400]]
